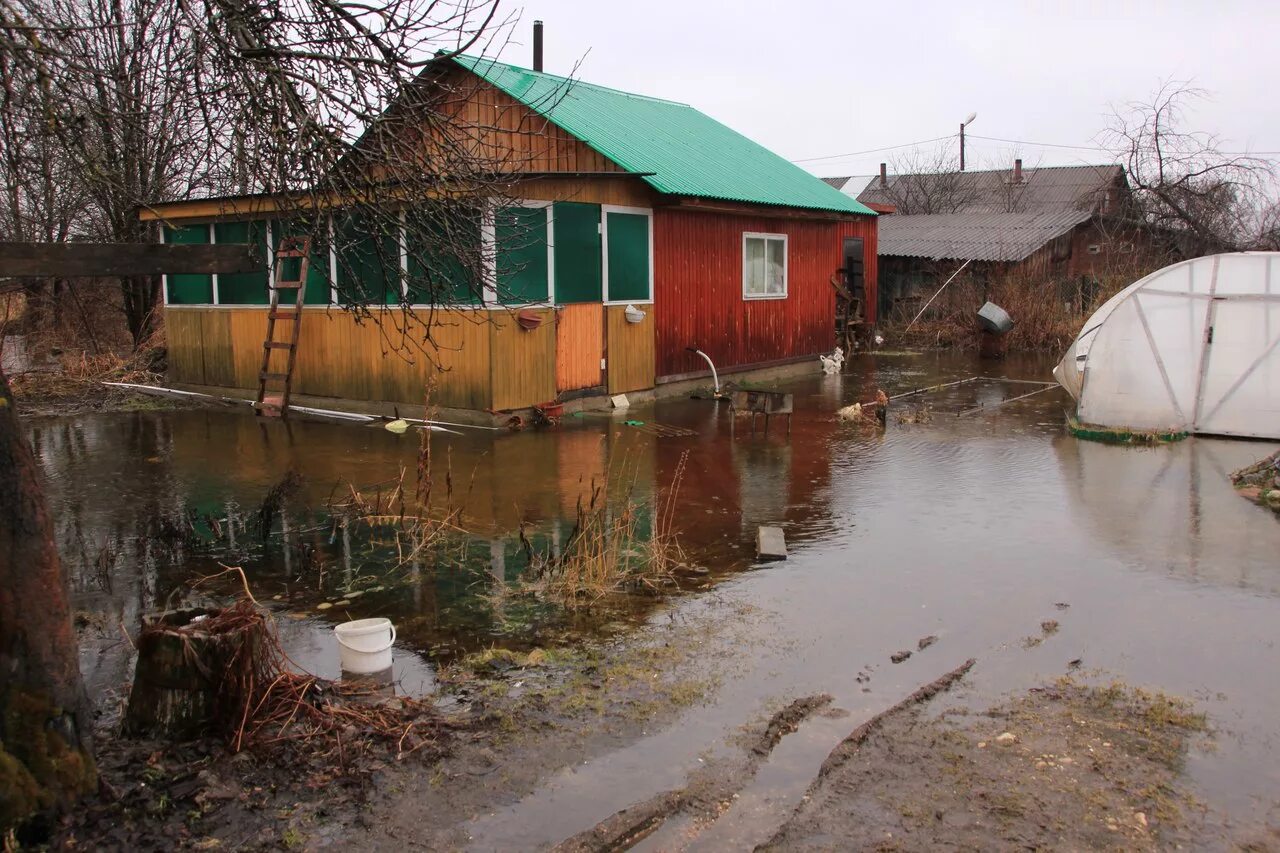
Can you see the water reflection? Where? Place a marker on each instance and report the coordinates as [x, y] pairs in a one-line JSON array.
[[116, 481]]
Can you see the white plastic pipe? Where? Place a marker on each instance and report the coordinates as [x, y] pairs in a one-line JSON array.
[[715, 378]]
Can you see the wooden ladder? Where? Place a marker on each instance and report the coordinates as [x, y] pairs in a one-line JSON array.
[[275, 402]]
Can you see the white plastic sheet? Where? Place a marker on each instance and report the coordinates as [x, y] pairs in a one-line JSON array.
[[1194, 346]]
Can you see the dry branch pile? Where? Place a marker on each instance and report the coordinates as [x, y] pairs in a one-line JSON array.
[[259, 702]]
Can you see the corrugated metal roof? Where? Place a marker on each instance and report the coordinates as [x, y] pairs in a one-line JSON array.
[[973, 236], [687, 152], [1047, 189]]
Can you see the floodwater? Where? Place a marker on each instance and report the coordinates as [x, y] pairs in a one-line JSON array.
[[973, 528]]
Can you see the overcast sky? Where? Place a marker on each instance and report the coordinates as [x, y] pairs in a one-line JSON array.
[[812, 79]]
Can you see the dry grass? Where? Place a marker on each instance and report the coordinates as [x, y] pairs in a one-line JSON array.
[[611, 550], [1047, 313], [80, 375]]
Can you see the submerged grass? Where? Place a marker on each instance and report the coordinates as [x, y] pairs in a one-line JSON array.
[[618, 545]]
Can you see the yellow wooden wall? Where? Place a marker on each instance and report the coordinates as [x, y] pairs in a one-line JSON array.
[[631, 354], [382, 359], [523, 361], [482, 359]]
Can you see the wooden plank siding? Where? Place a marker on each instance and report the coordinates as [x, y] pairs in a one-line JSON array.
[[630, 350], [579, 346], [338, 357], [184, 339], [698, 289], [523, 361]]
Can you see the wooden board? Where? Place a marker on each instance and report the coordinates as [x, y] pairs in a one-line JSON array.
[[74, 260], [630, 365], [579, 346]]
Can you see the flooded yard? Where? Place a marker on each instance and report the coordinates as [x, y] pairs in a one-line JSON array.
[[977, 529]]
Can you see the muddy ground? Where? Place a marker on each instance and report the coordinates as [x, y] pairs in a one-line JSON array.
[[1067, 765]]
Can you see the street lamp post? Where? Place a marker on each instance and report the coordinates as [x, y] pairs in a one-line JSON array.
[[963, 124]]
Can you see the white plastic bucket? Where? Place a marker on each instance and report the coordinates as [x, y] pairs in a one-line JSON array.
[[364, 645]]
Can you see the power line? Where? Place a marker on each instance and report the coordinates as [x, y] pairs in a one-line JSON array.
[[875, 150], [1098, 148], [1092, 148]]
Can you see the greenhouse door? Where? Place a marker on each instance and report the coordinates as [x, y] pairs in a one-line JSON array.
[[1240, 380]]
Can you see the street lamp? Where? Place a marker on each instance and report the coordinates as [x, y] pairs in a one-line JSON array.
[[967, 121]]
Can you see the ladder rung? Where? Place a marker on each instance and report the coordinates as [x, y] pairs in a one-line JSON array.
[[288, 285], [277, 345], [283, 315], [273, 377]]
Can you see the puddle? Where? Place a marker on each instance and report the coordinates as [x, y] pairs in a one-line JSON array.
[[969, 528]]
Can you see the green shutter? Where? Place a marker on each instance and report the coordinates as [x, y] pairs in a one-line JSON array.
[[521, 235], [243, 288], [189, 288], [628, 235], [443, 249], [577, 252], [319, 287], [368, 249]]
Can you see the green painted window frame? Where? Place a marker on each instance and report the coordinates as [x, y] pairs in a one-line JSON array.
[[462, 289], [188, 288], [522, 255], [370, 263], [577, 243], [628, 255], [243, 288]]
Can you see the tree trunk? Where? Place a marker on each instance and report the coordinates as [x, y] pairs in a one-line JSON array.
[[141, 298], [46, 749]]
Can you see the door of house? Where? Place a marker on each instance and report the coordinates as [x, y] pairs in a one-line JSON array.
[[579, 291], [855, 278]]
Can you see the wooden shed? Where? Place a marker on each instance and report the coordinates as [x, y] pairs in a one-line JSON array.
[[650, 228]]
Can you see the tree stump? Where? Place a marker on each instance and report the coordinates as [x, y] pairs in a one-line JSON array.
[[187, 660]]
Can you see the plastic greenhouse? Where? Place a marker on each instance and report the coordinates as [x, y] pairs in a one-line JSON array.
[[1194, 348]]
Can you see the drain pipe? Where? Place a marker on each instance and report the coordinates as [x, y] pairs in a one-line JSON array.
[[715, 378]]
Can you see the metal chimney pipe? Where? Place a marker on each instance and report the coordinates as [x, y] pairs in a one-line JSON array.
[[884, 175], [1017, 171], [537, 45]]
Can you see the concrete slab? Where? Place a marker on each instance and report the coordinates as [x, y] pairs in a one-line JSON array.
[[771, 544]]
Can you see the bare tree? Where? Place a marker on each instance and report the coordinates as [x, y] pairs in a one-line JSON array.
[[1184, 183], [40, 201], [365, 135], [927, 182]]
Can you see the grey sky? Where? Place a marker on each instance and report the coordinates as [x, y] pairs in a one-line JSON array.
[[809, 79]]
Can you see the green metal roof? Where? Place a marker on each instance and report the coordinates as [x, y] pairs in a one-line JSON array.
[[686, 152]]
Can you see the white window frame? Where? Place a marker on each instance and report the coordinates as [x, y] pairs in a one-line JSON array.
[[605, 210], [786, 265]]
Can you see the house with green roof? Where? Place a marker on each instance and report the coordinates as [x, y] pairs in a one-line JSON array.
[[623, 234]]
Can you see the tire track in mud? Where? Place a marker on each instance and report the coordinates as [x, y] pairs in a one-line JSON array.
[[704, 795], [849, 747]]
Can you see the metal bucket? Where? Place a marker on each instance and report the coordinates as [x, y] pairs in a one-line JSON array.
[[994, 319]]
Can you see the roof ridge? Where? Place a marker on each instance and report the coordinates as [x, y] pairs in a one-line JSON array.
[[1004, 171], [572, 81]]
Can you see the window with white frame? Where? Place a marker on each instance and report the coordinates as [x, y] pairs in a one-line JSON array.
[[764, 266]]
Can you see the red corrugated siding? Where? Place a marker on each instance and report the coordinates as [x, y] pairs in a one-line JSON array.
[[698, 289]]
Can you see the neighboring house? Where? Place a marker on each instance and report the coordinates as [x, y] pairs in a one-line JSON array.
[[626, 201], [1066, 224]]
